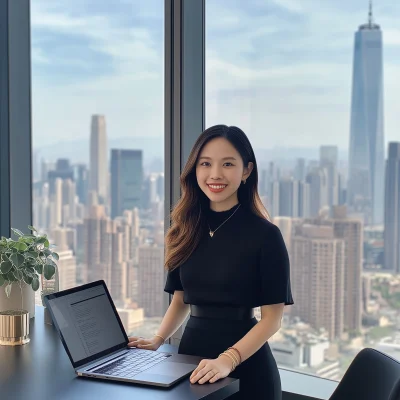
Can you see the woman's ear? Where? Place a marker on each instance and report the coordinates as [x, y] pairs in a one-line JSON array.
[[247, 170]]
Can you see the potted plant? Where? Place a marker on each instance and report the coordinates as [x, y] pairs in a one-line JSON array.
[[22, 262]]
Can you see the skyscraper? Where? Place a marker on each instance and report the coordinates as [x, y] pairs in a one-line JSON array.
[[318, 259], [328, 159], [126, 180], [98, 156], [366, 155], [151, 279], [392, 209]]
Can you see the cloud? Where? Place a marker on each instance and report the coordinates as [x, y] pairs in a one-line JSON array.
[[286, 75], [279, 68]]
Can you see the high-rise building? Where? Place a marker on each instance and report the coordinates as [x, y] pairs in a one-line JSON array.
[[151, 279], [98, 156], [317, 273], [98, 230], [63, 170], [300, 170], [318, 183], [81, 175], [126, 180], [366, 153], [328, 159], [350, 230], [288, 198], [392, 209]]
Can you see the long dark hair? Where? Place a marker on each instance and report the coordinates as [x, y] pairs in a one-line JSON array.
[[185, 231]]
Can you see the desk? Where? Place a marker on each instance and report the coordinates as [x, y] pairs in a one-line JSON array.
[[41, 370]]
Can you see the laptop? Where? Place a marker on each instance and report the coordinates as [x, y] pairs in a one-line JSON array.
[[97, 345]]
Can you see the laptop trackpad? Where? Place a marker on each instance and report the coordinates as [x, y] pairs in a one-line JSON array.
[[169, 368]]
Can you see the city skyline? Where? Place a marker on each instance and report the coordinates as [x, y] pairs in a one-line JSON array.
[[306, 75], [282, 71]]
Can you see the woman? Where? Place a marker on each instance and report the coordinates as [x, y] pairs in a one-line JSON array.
[[224, 258]]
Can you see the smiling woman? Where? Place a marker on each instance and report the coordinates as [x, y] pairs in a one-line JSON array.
[[224, 258]]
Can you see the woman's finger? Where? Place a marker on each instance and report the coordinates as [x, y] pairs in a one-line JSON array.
[[215, 377], [207, 377], [199, 374]]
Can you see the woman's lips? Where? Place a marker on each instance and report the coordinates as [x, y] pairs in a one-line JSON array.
[[217, 188]]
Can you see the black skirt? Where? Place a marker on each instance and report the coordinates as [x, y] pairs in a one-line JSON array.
[[259, 375]]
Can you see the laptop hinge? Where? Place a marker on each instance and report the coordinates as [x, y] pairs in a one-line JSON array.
[[104, 359]]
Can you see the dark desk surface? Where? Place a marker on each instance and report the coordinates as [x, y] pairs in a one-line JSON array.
[[41, 370]]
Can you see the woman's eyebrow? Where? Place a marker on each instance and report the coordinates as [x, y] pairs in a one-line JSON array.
[[225, 158]]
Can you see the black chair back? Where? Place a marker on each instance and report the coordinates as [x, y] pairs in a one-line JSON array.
[[371, 376], [395, 395]]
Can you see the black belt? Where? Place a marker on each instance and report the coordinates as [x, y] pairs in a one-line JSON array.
[[222, 312]]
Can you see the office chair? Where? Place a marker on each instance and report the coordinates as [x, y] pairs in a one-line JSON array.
[[395, 395], [371, 376]]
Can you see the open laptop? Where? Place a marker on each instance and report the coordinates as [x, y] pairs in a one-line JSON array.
[[96, 343]]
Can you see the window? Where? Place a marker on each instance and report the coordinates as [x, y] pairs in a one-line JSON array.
[[98, 172], [306, 81]]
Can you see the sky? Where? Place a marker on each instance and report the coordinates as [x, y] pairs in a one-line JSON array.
[[279, 69]]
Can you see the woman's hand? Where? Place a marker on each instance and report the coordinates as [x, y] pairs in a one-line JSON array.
[[147, 344], [211, 370]]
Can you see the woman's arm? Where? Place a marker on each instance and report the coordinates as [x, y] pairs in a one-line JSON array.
[[173, 319], [271, 316], [213, 370], [175, 315]]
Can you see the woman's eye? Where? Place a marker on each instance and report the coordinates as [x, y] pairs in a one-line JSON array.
[[203, 163], [230, 164]]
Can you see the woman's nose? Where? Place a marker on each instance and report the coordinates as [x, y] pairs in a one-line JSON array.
[[216, 173]]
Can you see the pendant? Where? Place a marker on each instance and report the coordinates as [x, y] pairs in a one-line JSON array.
[[211, 233]]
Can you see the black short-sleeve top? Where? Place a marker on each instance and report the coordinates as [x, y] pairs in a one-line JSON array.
[[245, 263]]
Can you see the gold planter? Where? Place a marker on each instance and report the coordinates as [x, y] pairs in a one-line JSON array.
[[14, 327]]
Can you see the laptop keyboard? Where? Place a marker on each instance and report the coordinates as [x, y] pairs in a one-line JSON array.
[[134, 362]]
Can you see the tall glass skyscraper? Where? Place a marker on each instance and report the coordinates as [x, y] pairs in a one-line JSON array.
[[126, 180], [392, 209], [366, 156]]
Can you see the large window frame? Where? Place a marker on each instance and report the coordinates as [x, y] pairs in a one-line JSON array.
[[184, 95]]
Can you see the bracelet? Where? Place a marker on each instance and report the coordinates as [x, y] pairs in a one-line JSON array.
[[238, 352], [233, 354], [160, 337], [232, 359]]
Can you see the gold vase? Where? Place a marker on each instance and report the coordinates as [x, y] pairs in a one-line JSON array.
[[14, 327]]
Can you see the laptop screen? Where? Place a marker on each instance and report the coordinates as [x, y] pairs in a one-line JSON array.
[[87, 322]]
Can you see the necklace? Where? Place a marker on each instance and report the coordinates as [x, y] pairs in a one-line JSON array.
[[212, 232]]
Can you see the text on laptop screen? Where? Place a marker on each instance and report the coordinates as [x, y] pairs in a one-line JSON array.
[[87, 322]]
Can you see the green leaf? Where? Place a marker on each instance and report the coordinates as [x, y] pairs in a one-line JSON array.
[[22, 246], [32, 228], [2, 280], [17, 232], [55, 256], [18, 274], [5, 267], [8, 290], [41, 240], [11, 277], [51, 262], [35, 284], [17, 260], [46, 243], [28, 279], [49, 271], [39, 268], [31, 254], [47, 252]]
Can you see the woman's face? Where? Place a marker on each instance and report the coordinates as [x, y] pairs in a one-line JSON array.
[[219, 172]]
